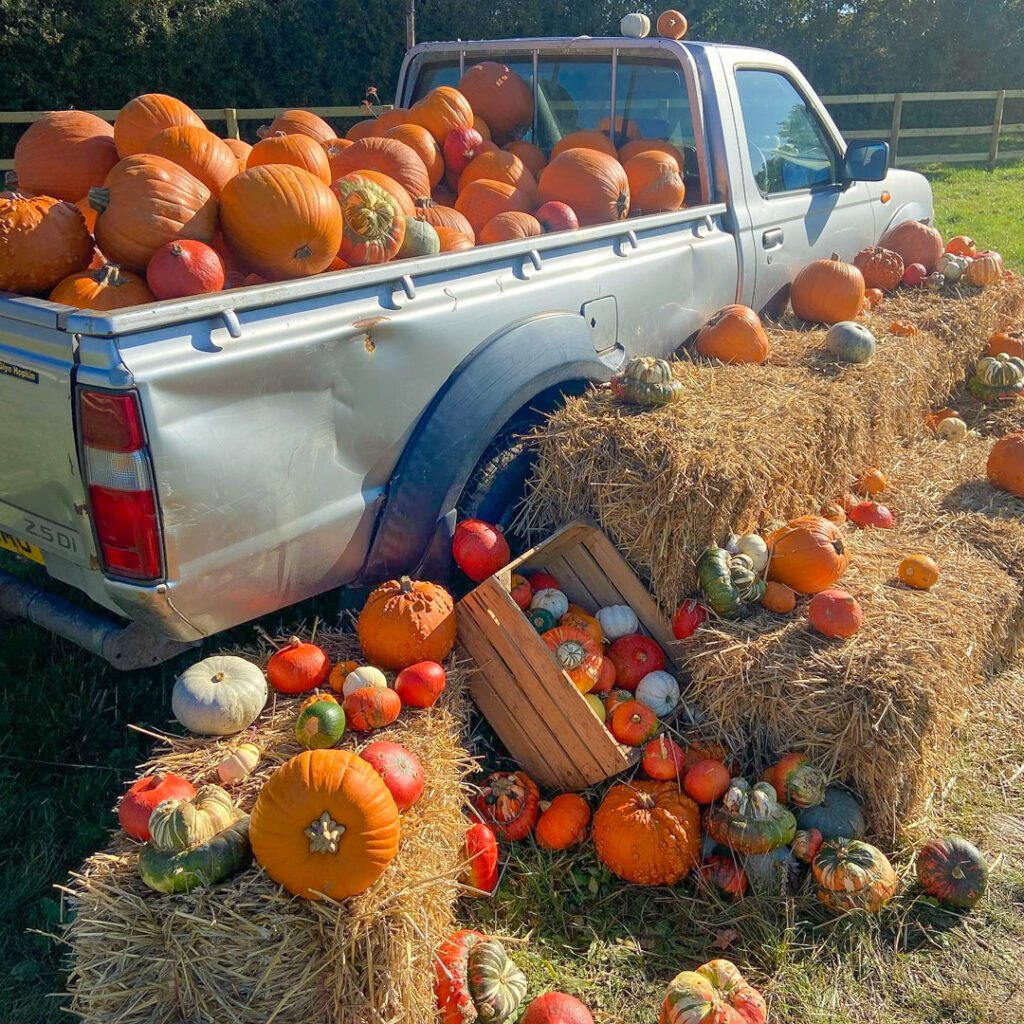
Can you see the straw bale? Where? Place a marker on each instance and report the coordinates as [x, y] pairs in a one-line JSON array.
[[882, 709], [751, 444], [246, 951]]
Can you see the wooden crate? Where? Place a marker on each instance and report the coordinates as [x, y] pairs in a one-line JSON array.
[[529, 701]]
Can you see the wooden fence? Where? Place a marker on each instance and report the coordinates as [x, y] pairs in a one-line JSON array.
[[894, 131]]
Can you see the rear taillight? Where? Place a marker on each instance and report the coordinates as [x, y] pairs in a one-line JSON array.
[[121, 492]]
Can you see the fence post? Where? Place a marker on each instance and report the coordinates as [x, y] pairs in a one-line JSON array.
[[231, 117], [997, 127], [894, 133]]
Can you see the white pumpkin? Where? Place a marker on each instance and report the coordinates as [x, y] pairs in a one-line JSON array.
[[753, 546], [218, 696], [551, 600], [659, 691], [365, 675], [952, 428], [636, 25], [239, 764], [617, 620], [951, 266]]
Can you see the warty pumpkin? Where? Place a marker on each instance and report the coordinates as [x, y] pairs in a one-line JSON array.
[[807, 554], [853, 875], [563, 822], [64, 154], [146, 202], [42, 241], [509, 227], [301, 122], [482, 200], [107, 287], [141, 118], [500, 96], [827, 291], [915, 242], [510, 803], [373, 227], [881, 268], [647, 832], [199, 152], [498, 165], [734, 335], [646, 381], [655, 183], [296, 150], [422, 143], [405, 621], [586, 139], [715, 993], [1005, 465], [442, 110], [592, 183], [281, 221], [324, 824]]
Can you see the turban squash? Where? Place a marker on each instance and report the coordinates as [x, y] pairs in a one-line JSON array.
[[715, 993], [476, 981], [853, 875], [510, 802]]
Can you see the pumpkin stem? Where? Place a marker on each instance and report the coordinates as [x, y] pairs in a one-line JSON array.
[[109, 275], [958, 873], [303, 252], [99, 198], [835, 256], [324, 834], [217, 677], [406, 584]]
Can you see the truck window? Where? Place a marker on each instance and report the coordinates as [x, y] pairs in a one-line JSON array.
[[788, 146]]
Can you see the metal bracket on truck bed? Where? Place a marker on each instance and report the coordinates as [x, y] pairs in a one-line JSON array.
[[125, 647]]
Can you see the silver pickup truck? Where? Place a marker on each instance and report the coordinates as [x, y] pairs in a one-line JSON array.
[[193, 464]]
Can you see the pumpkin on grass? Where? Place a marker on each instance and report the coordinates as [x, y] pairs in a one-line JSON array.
[[647, 832], [145, 796], [106, 287], [594, 184], [405, 621], [796, 781], [827, 291], [219, 695], [298, 667], [835, 613], [373, 227], [715, 993], [199, 152], [296, 150], [563, 822], [807, 554], [750, 819], [734, 335], [325, 824], [853, 875], [510, 803], [806, 844], [725, 873], [476, 981], [372, 707], [42, 241], [952, 871], [141, 118], [321, 721]]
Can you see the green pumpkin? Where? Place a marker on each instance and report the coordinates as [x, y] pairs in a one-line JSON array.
[[729, 582], [837, 816], [496, 985], [206, 863], [321, 723], [541, 619], [1001, 370], [420, 240], [850, 342], [646, 381], [750, 819]]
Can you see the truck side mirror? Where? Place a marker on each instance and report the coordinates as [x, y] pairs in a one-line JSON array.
[[866, 160]]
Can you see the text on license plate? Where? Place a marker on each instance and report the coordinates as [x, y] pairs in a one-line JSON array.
[[20, 547]]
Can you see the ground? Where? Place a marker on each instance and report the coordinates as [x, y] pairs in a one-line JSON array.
[[66, 753]]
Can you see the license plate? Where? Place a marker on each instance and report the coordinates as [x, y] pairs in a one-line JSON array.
[[21, 547]]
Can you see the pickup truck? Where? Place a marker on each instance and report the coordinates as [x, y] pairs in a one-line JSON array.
[[194, 464]]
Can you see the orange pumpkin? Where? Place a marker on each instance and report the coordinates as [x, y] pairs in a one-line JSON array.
[[655, 184], [373, 227], [778, 598], [388, 156], [325, 824], [107, 287], [371, 707], [1005, 466], [835, 613], [42, 240], [498, 165], [586, 139], [827, 291], [671, 25], [481, 200], [362, 129], [510, 226], [532, 156], [480, 125], [734, 335], [405, 621], [441, 110], [807, 554], [578, 655], [391, 119], [281, 221], [626, 129], [637, 146], [296, 150], [141, 118], [706, 781], [579, 619], [916, 242], [499, 96], [633, 723], [872, 297], [422, 143], [919, 572], [835, 513], [300, 122], [453, 240], [563, 823], [339, 673], [88, 213], [592, 183], [146, 202], [240, 149], [199, 152], [1010, 342], [64, 154], [871, 481], [904, 329], [438, 216], [961, 245], [332, 147], [882, 269]]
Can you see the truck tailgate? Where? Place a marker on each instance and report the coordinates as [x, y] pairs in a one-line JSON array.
[[40, 485]]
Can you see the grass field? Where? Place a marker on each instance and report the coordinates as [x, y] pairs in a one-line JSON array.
[[66, 753]]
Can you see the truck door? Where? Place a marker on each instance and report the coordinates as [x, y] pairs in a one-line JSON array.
[[798, 206]]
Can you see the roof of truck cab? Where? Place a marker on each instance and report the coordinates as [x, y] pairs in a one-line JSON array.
[[568, 42]]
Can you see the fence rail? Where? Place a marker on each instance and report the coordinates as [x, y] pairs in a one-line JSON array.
[[894, 131]]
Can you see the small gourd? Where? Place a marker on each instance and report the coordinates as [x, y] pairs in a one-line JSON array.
[[541, 619], [952, 428], [549, 600], [753, 546], [646, 381], [321, 721], [729, 582], [935, 281], [239, 764], [659, 691], [952, 267], [364, 675], [617, 620], [850, 342], [635, 25]]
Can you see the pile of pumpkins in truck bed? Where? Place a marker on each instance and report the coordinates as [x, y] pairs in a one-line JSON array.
[[158, 207]]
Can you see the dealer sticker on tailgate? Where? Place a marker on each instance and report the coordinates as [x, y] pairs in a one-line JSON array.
[[20, 547]]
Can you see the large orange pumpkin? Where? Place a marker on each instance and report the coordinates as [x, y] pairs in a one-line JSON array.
[[808, 554], [141, 118], [281, 221], [199, 151], [734, 335], [241, 150], [64, 154], [406, 621], [438, 216], [362, 129], [637, 146], [1010, 342], [108, 287], [916, 242], [297, 150], [390, 157], [1005, 466], [498, 165], [42, 240], [499, 96], [655, 184], [441, 110], [481, 200], [146, 202], [301, 122], [586, 139], [532, 156], [509, 226], [592, 183], [325, 824], [422, 143], [647, 832], [374, 226], [827, 291], [453, 240]]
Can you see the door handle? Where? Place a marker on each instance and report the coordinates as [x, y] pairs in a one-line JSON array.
[[772, 238]]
